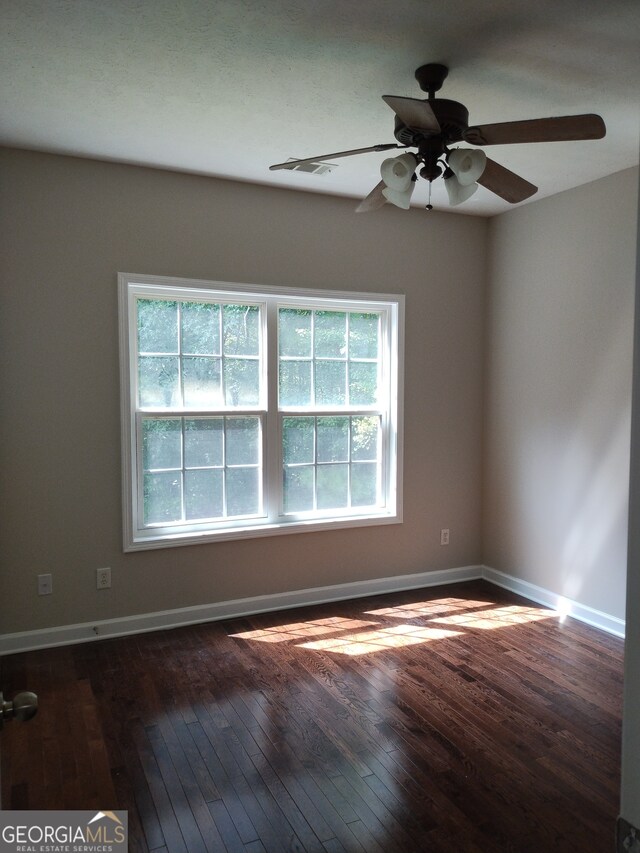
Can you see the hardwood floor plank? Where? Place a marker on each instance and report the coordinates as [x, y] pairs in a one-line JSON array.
[[255, 847], [305, 819], [304, 775], [366, 838], [274, 830], [144, 827], [357, 726], [226, 827], [193, 760], [241, 820], [333, 846], [161, 798], [196, 824]]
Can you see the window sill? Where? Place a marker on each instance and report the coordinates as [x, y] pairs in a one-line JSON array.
[[174, 540]]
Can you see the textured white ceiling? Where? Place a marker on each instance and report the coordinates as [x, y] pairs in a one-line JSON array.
[[227, 87]]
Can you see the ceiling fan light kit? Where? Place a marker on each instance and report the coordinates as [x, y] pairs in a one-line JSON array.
[[467, 165], [400, 198], [398, 177], [457, 191], [433, 125], [397, 172]]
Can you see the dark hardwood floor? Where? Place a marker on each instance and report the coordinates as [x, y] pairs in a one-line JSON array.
[[454, 719]]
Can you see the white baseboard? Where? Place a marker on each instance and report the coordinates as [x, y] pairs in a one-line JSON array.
[[564, 606], [65, 635]]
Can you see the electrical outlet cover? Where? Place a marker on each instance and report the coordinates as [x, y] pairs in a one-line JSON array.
[[103, 578], [45, 584]]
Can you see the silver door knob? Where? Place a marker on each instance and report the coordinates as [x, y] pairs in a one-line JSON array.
[[23, 707]]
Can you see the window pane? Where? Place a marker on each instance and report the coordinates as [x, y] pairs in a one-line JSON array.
[[241, 382], [243, 441], [203, 442], [332, 486], [162, 498], [158, 384], [364, 484], [331, 377], [298, 489], [157, 326], [364, 438], [200, 328], [243, 495], [295, 383], [330, 334], [294, 332], [204, 383], [203, 497], [298, 440], [333, 439], [363, 383], [201, 382], [241, 329], [363, 335], [161, 443]]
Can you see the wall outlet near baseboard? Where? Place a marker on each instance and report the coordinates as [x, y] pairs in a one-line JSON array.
[[45, 584], [103, 578], [444, 536]]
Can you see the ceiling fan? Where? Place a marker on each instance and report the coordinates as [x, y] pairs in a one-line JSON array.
[[433, 126]]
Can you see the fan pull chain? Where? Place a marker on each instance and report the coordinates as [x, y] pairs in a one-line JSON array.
[[429, 205]]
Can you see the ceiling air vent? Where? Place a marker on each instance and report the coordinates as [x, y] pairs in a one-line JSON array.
[[312, 168]]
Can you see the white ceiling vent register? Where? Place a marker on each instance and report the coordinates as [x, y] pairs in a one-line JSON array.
[[313, 168]]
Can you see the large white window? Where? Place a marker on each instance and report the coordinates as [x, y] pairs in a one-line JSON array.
[[252, 410]]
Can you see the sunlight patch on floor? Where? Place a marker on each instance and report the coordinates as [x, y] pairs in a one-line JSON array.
[[299, 630], [428, 608], [433, 620], [373, 641], [499, 617]]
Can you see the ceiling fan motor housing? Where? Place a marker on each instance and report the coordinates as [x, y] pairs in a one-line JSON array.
[[453, 119]]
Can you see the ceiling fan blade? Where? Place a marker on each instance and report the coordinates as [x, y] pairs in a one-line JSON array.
[[506, 184], [374, 200], [293, 164], [413, 112], [559, 129]]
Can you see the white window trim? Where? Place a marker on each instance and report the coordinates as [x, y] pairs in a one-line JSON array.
[[131, 286]]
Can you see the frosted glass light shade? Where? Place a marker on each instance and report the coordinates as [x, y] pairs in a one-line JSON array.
[[396, 172], [467, 165], [401, 198], [458, 192]]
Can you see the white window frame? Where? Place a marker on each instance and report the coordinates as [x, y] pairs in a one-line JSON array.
[[273, 522]]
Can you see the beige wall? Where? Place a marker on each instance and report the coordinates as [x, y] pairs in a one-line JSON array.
[[558, 391], [630, 799], [69, 226]]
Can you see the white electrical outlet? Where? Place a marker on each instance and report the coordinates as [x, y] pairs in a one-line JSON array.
[[45, 584], [444, 536], [103, 578]]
